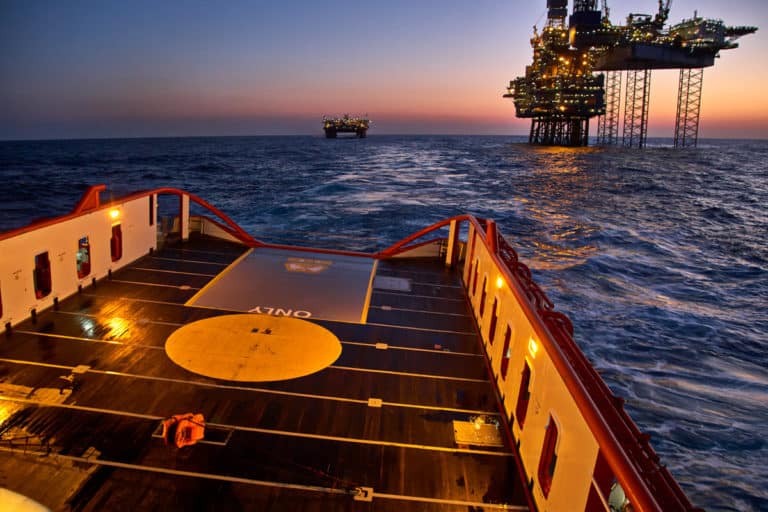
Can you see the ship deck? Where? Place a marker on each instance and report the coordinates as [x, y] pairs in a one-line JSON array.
[[381, 416]]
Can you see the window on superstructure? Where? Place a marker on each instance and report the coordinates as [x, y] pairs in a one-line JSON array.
[[506, 352], [548, 459], [116, 243], [42, 275], [83, 257], [151, 210], [494, 317], [483, 293], [525, 395]]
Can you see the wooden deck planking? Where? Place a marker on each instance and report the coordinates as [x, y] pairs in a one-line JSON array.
[[142, 275], [452, 306], [133, 290], [141, 316], [422, 320], [404, 336]]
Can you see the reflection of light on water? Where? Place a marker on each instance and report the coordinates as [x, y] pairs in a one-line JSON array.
[[554, 195], [716, 390], [558, 257]]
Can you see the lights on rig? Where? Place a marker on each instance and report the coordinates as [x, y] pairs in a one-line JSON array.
[[499, 282], [114, 213]]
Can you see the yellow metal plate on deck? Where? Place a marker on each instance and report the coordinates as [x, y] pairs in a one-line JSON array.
[[253, 348]]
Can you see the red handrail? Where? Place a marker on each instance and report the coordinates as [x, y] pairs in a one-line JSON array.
[[401, 246], [238, 232], [649, 486], [90, 201]]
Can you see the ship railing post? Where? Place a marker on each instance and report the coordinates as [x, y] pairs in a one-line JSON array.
[[184, 217], [491, 236], [453, 240], [470, 245]]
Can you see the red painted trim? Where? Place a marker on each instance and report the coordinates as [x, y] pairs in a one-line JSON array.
[[547, 457], [410, 247], [91, 200], [399, 246], [239, 232], [649, 486], [181, 217]]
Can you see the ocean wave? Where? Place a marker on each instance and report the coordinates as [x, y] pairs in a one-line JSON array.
[[659, 256]]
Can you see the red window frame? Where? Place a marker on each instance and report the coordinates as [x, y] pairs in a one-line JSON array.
[[42, 275], [116, 243], [83, 259], [494, 318], [602, 481], [506, 352], [483, 293], [548, 459], [521, 410]]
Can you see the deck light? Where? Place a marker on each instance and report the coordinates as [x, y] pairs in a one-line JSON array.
[[114, 213], [499, 282], [533, 347]]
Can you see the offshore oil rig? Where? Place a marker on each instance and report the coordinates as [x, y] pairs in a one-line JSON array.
[[346, 124], [560, 91]]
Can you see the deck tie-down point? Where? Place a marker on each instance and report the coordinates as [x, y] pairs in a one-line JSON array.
[[363, 493]]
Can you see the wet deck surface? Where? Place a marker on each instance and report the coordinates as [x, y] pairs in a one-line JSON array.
[[298, 444]]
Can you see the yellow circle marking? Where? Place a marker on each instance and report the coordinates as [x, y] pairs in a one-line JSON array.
[[253, 348]]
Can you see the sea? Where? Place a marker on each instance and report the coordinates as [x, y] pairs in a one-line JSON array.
[[659, 256]]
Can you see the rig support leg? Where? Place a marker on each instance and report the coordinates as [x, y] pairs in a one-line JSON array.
[[636, 108], [688, 107], [608, 123]]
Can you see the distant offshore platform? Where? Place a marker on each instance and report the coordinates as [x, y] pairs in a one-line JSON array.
[[560, 91], [346, 124]]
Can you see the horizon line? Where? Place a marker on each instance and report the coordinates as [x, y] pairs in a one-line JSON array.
[[321, 136]]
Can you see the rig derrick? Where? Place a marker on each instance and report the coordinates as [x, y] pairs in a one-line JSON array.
[[560, 91]]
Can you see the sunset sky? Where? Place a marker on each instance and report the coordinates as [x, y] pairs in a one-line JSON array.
[[72, 69]]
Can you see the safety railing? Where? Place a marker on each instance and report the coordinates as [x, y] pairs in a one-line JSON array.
[[637, 468], [635, 464]]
